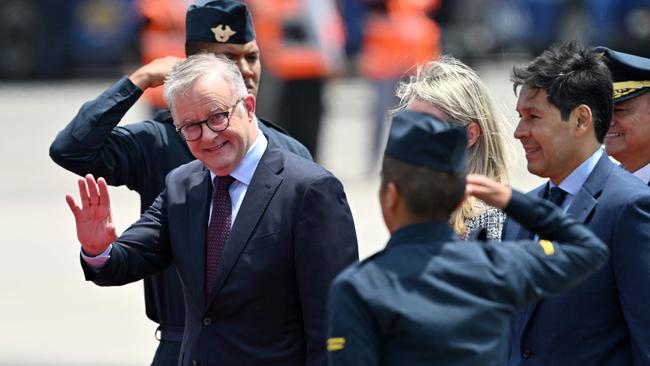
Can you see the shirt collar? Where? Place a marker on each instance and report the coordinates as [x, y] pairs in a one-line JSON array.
[[643, 174], [574, 181], [244, 171]]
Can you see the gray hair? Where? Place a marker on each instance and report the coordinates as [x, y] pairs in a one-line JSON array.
[[186, 72], [457, 90]]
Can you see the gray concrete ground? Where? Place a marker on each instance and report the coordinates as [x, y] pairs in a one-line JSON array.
[[48, 314]]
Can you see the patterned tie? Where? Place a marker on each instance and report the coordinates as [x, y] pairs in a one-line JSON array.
[[218, 229], [556, 195]]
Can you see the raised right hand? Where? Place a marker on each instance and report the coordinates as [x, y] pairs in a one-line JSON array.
[[95, 228], [153, 74], [487, 190]]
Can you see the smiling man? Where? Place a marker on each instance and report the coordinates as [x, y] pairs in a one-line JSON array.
[[256, 234], [628, 138], [139, 155], [565, 107]]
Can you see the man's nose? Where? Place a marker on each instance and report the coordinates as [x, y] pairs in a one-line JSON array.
[[244, 68], [520, 131]]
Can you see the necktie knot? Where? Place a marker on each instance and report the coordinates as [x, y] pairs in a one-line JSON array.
[[556, 195], [223, 183]]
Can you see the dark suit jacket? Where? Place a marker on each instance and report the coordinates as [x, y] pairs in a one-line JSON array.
[[138, 155], [293, 233], [606, 319]]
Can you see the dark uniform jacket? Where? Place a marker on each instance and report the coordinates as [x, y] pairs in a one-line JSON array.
[[139, 156], [293, 233], [430, 299], [606, 319]]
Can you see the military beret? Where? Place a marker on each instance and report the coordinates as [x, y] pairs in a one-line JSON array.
[[421, 139], [219, 21], [631, 74]]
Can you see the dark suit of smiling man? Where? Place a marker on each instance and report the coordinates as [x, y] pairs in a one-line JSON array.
[[565, 107], [254, 262]]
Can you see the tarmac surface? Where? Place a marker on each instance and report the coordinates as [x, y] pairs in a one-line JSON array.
[[48, 314]]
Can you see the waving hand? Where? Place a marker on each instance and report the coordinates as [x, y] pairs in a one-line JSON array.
[[95, 228]]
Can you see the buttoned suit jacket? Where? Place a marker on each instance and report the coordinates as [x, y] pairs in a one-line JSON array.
[[293, 233], [605, 320]]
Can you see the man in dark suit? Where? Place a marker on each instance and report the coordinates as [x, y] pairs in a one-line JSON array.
[[255, 263], [565, 107], [628, 138], [139, 155], [430, 298]]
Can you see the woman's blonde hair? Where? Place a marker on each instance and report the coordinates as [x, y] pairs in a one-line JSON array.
[[457, 91]]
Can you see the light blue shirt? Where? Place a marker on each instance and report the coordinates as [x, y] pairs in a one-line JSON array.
[[237, 190], [243, 175], [643, 174], [574, 181]]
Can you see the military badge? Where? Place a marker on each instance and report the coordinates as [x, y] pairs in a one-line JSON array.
[[222, 33]]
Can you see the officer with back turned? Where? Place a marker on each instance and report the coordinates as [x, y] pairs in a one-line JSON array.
[[430, 298]]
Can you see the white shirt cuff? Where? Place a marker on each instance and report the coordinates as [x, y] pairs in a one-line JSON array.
[[98, 261]]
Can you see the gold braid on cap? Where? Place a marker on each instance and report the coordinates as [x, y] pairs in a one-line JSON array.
[[623, 88]]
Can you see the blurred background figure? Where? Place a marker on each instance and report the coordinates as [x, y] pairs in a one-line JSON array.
[[301, 43], [61, 39], [397, 34], [162, 34], [453, 92], [479, 30]]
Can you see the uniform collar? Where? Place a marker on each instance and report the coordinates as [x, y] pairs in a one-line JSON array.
[[425, 233]]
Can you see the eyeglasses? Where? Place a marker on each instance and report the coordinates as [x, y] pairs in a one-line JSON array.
[[216, 123]]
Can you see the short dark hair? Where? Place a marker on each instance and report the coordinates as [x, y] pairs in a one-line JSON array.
[[429, 195], [571, 75]]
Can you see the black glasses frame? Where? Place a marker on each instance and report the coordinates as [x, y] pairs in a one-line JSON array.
[[223, 114]]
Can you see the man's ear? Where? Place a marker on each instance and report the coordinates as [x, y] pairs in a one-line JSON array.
[[584, 120], [249, 104], [389, 201], [473, 133], [391, 196]]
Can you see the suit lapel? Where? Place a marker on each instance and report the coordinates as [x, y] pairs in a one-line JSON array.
[[264, 184], [581, 207], [586, 200], [199, 192], [517, 232]]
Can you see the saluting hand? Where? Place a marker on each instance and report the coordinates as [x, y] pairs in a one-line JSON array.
[[154, 73], [487, 190], [95, 228]]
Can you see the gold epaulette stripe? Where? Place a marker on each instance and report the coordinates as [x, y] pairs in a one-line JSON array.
[[547, 246], [623, 88], [335, 344]]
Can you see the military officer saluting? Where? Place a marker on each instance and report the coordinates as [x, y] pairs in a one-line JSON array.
[[429, 298], [628, 137]]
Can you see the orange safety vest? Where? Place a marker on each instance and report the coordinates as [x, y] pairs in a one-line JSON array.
[[313, 56], [397, 40], [163, 35]]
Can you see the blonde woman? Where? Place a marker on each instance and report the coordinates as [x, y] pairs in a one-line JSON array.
[[452, 91]]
